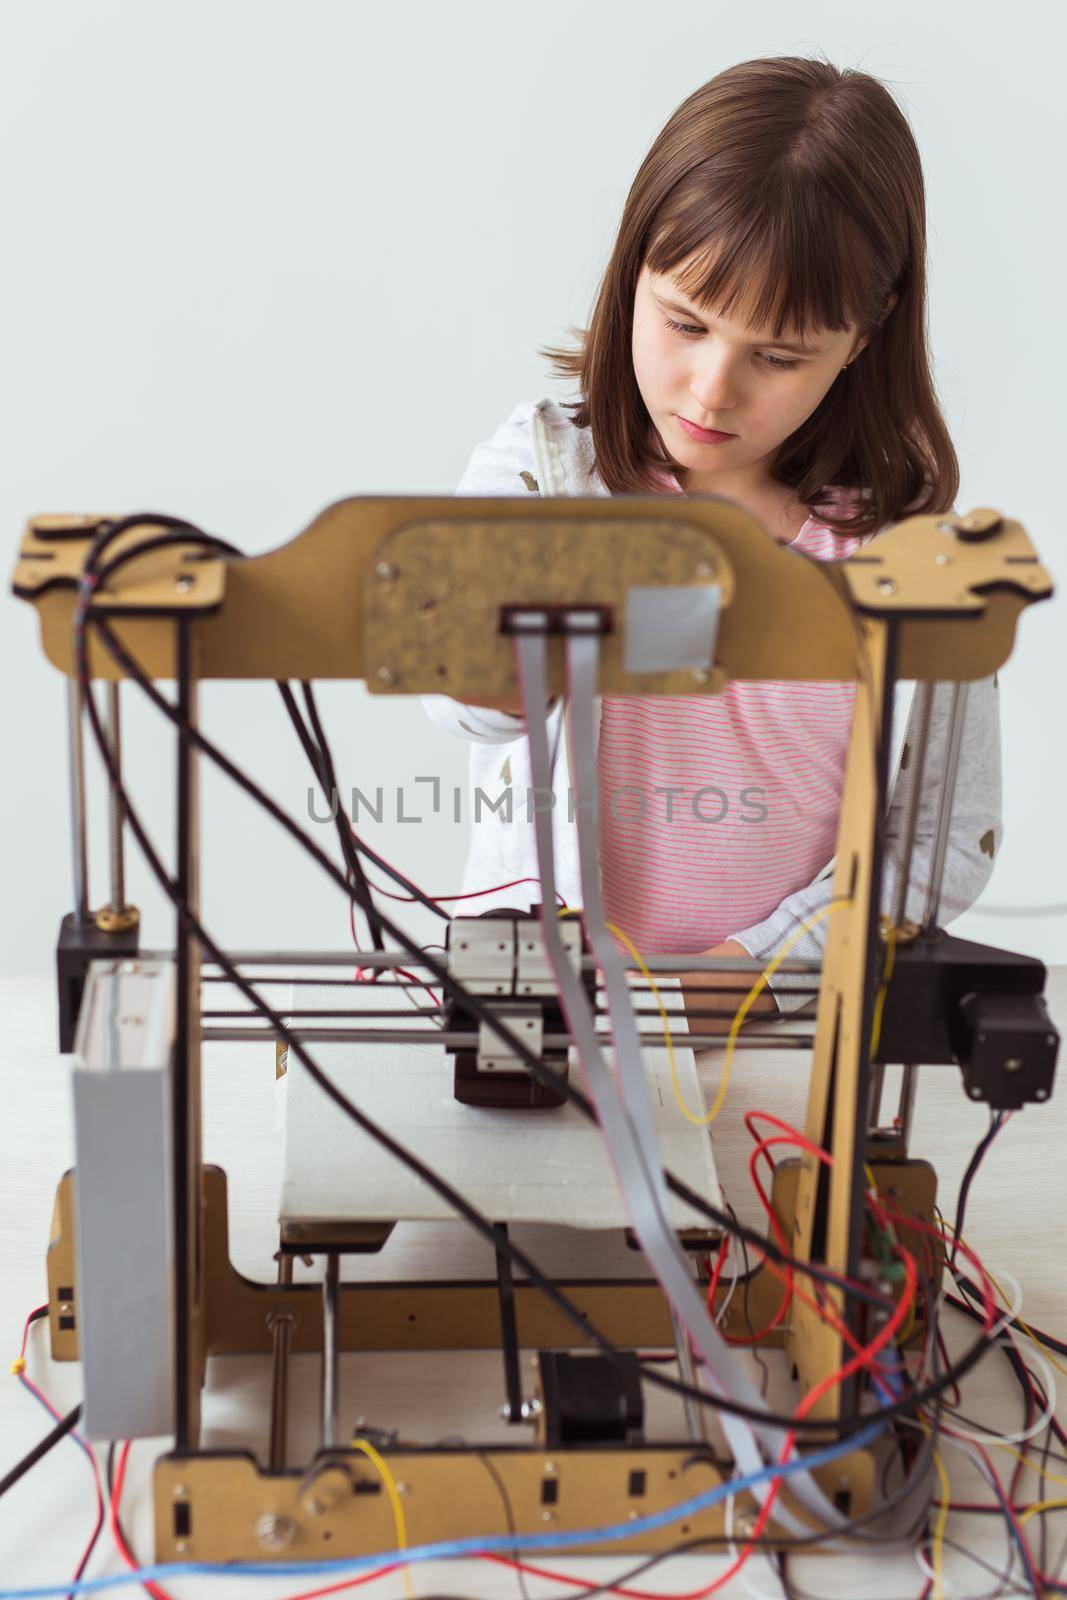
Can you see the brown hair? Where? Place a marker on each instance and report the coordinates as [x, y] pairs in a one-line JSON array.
[[805, 181]]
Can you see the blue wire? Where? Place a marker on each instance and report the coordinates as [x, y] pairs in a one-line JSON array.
[[451, 1548]]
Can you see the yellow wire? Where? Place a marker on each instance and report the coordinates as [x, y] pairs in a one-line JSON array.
[[938, 1542], [382, 1469], [1042, 1505], [742, 1010], [760, 983], [887, 970]]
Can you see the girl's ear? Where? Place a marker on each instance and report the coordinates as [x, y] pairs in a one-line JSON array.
[[891, 300]]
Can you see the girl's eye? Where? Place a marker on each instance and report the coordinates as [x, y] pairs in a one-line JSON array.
[[690, 331]]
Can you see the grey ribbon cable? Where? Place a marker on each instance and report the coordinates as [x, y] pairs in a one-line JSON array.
[[582, 655], [640, 1179], [664, 1250]]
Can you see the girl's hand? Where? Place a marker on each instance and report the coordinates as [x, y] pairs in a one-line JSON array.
[[723, 991]]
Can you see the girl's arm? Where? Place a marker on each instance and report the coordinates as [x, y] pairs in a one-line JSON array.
[[499, 466], [975, 834]]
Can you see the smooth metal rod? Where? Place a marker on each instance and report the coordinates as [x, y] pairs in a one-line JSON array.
[[911, 814], [330, 1394], [116, 855], [874, 1110], [458, 1040], [907, 1103], [281, 1321], [944, 806], [694, 1413], [339, 1015], [398, 958], [79, 852]]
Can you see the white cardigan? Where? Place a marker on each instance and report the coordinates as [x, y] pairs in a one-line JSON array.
[[537, 449]]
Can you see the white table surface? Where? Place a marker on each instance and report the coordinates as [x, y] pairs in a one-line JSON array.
[[1015, 1221]]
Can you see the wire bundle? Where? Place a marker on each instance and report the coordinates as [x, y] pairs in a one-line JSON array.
[[619, 1103]]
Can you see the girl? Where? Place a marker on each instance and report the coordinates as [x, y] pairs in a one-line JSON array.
[[768, 282]]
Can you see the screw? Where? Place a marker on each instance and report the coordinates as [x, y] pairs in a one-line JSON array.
[[703, 570], [385, 571], [281, 1316], [981, 1038], [974, 1092], [1040, 1094], [184, 581], [181, 1548], [403, 1488], [64, 1310], [1013, 1064], [131, 966], [887, 586], [631, 1516], [386, 675], [275, 1532], [942, 560], [548, 1516], [945, 527], [179, 1490], [530, 1409], [699, 675], [550, 1467]]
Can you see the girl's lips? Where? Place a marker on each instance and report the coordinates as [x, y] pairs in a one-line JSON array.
[[703, 435]]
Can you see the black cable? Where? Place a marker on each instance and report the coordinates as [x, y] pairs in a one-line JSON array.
[[1005, 1343], [327, 777], [840, 1427], [996, 1122], [41, 1449], [407, 1157], [183, 532], [970, 1288], [1004, 1340], [746, 1285], [470, 1002]]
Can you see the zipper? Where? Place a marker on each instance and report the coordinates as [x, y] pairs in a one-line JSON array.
[[548, 470], [549, 467]]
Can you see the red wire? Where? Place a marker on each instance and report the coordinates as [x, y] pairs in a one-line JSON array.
[[159, 1593], [28, 1383], [713, 1281], [864, 1356]]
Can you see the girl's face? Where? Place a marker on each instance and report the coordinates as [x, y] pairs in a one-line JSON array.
[[719, 375]]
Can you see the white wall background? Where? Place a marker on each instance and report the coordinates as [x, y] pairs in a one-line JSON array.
[[260, 256]]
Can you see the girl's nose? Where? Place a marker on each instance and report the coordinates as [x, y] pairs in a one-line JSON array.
[[713, 386]]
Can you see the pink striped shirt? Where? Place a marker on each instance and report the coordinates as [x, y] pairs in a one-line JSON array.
[[714, 808]]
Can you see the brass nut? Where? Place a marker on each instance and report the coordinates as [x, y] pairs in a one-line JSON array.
[[112, 919]]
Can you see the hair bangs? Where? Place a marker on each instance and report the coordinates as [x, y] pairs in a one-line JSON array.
[[799, 279]]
